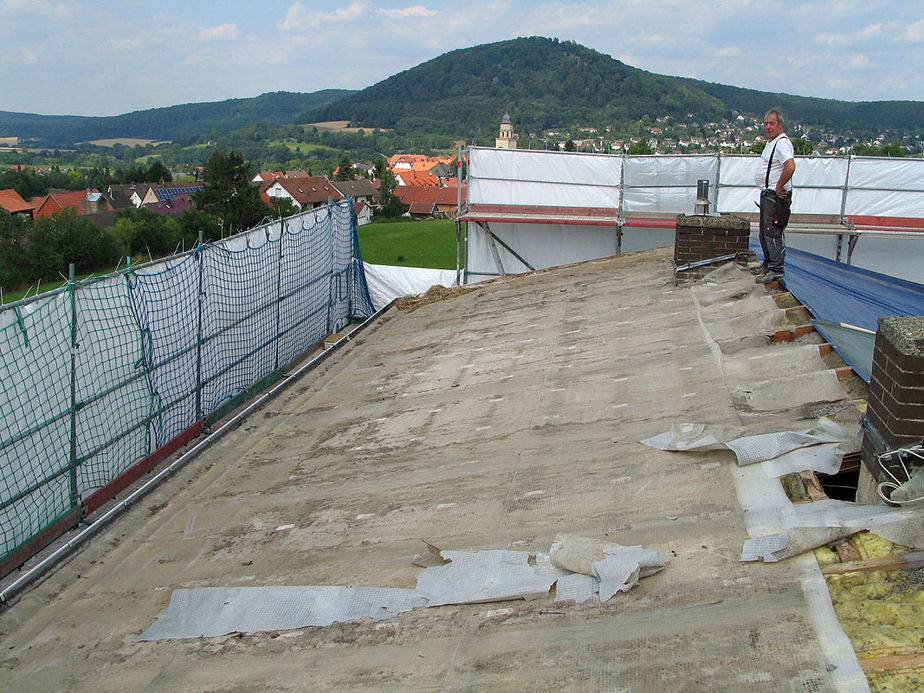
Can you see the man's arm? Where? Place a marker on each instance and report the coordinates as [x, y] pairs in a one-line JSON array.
[[789, 168]]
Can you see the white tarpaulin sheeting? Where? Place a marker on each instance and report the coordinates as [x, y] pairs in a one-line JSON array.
[[819, 185], [388, 282], [524, 177], [886, 187], [664, 184]]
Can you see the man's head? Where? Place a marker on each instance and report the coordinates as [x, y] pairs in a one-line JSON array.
[[773, 123]]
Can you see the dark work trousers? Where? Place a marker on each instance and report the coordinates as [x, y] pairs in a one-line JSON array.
[[774, 215]]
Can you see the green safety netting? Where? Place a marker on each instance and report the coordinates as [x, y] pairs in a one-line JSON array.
[[99, 374]]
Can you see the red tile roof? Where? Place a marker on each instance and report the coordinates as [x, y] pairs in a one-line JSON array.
[[13, 203], [419, 162], [273, 175], [414, 178], [440, 196]]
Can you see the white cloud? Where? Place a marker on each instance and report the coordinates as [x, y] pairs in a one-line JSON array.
[[35, 7], [893, 83], [832, 40], [727, 52], [298, 18], [563, 18], [859, 61], [914, 32], [124, 43], [30, 56], [222, 32], [414, 11], [651, 40]]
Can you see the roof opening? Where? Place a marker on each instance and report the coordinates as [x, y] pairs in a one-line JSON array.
[[841, 486]]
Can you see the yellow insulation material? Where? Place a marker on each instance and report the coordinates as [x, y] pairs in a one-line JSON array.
[[882, 612], [903, 681], [826, 556], [870, 545]]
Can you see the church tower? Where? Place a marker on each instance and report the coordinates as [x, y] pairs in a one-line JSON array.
[[507, 138]]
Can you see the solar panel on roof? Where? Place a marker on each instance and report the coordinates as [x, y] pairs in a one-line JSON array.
[[169, 193]]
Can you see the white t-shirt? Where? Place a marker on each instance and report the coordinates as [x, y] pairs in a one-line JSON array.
[[784, 152]]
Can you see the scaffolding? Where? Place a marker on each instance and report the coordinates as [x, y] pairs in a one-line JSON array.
[[530, 209]]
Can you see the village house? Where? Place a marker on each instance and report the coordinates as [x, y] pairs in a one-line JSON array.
[[81, 202], [423, 202], [120, 196], [305, 193], [419, 162], [361, 190], [366, 170], [363, 213], [136, 195]]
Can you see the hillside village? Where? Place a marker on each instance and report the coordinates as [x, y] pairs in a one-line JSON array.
[[667, 135], [426, 184]]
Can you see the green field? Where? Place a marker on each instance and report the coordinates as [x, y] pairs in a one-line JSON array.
[[430, 243]]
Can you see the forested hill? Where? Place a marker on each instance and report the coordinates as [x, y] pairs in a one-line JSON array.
[[546, 83], [169, 123], [543, 83]]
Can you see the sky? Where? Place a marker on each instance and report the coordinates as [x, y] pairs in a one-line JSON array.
[[102, 57]]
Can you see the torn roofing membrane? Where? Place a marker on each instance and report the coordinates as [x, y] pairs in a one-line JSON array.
[[468, 577], [829, 439]]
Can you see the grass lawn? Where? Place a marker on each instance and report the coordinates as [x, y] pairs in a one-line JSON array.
[[11, 296], [430, 243]]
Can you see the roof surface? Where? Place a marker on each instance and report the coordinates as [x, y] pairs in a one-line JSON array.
[[11, 201], [312, 189], [494, 419], [417, 179], [354, 188], [441, 196]]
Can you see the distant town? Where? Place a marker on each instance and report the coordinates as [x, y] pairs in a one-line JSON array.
[[667, 135]]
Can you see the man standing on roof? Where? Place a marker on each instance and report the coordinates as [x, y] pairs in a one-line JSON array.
[[774, 178]]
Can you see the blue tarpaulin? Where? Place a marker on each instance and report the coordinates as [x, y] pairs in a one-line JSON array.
[[841, 294], [854, 344]]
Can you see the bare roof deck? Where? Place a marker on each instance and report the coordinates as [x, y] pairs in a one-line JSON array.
[[495, 419]]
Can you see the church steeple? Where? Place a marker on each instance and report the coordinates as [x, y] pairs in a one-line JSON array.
[[506, 138]]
